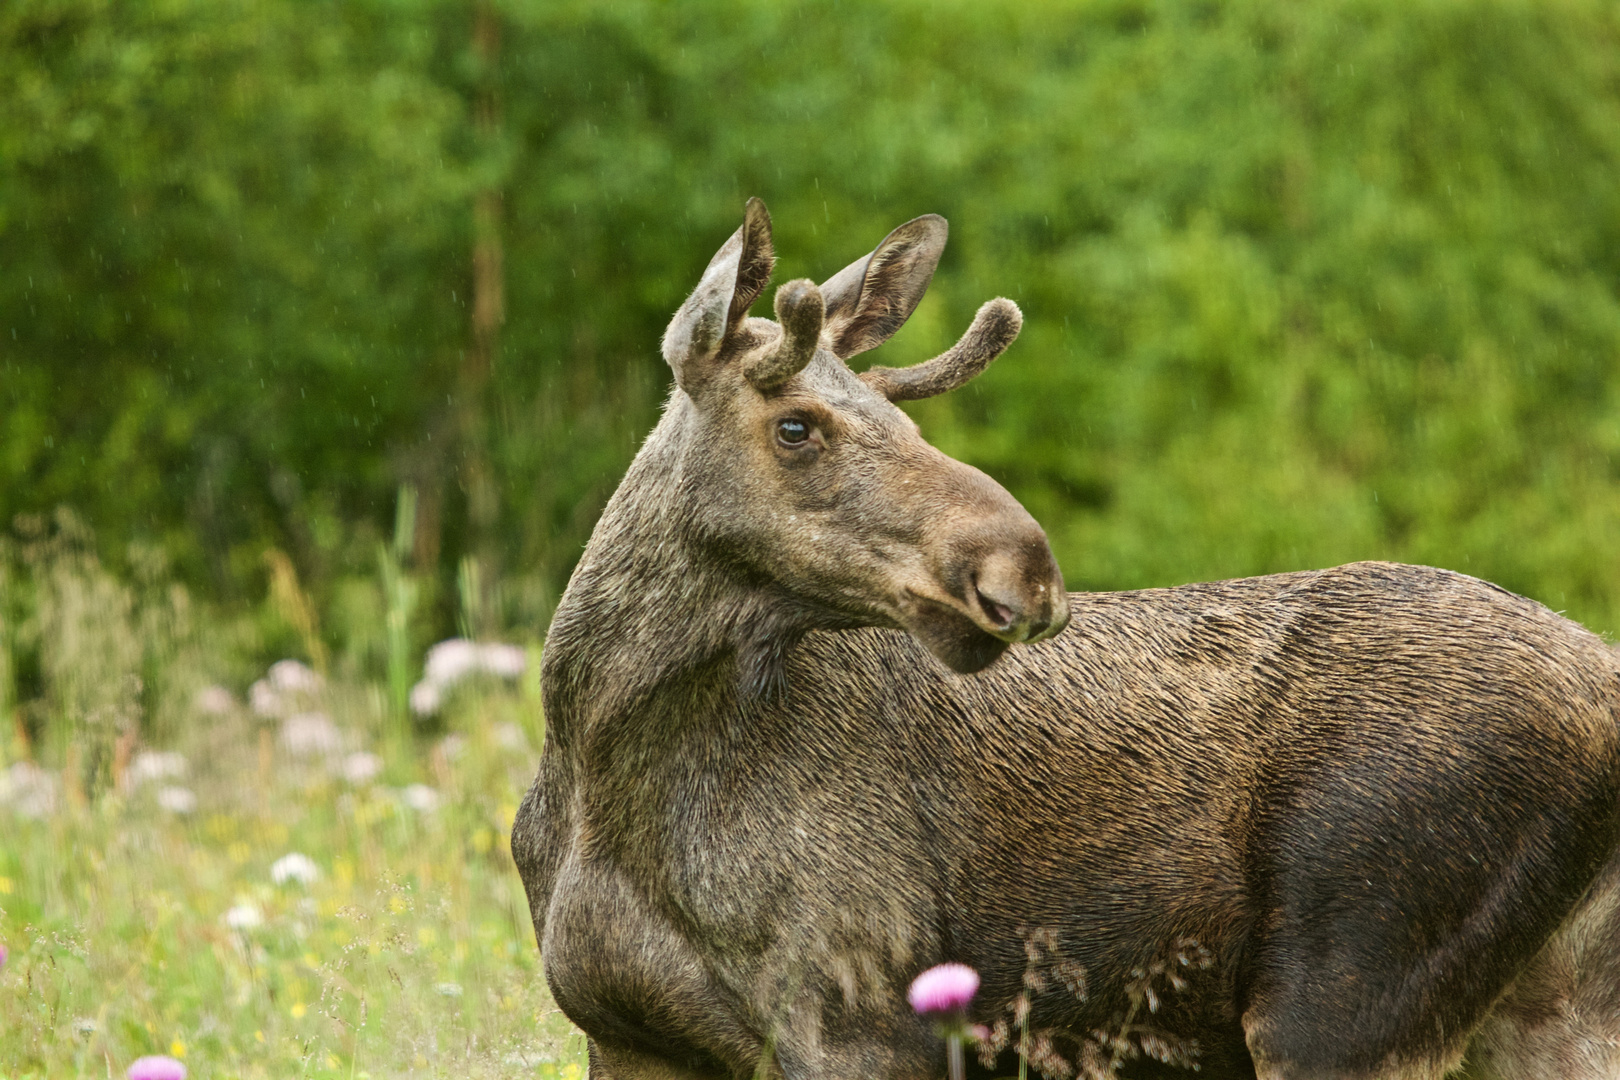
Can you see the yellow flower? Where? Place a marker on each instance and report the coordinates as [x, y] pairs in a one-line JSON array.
[[5, 886], [298, 1010], [177, 1049], [259, 1036]]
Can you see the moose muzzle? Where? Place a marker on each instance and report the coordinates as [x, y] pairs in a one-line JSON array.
[[995, 583]]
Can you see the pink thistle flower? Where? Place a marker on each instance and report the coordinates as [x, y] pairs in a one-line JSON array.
[[942, 993], [156, 1067], [946, 988]]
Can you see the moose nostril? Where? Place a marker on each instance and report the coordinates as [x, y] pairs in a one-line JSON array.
[[1000, 614]]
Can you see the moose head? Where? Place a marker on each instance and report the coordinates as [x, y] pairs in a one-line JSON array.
[[806, 480]]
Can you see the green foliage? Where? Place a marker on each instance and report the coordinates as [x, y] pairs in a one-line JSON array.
[[399, 602], [1303, 283]]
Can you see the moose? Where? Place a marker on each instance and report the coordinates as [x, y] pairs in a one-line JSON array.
[[821, 715]]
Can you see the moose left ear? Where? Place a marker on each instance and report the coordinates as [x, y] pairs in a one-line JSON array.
[[731, 283], [871, 298]]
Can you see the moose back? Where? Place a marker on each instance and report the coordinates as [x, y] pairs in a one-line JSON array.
[[820, 715]]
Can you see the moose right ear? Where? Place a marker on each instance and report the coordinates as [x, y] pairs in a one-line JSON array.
[[871, 298], [731, 283]]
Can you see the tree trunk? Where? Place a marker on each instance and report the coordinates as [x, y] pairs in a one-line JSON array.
[[488, 313]]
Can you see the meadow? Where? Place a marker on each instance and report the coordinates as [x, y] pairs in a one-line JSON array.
[[291, 885]]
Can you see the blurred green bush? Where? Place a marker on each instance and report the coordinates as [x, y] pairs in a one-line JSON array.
[[1304, 283]]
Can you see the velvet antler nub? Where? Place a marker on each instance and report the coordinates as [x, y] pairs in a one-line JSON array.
[[800, 310], [993, 329]]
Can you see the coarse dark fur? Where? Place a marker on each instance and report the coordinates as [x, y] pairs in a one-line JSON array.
[[1356, 822]]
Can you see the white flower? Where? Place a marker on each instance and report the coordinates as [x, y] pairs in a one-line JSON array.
[[453, 745], [450, 661], [508, 736], [426, 698], [506, 661], [244, 916], [154, 765], [421, 798], [176, 800], [309, 734], [215, 701], [294, 866], [361, 768], [449, 989], [29, 789], [292, 677], [264, 701]]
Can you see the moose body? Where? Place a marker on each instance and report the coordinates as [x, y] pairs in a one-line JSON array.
[[1347, 823]]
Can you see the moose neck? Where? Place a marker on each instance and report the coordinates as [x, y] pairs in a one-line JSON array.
[[648, 611]]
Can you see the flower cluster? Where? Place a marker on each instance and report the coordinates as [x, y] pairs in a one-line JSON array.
[[449, 662], [295, 866], [29, 790]]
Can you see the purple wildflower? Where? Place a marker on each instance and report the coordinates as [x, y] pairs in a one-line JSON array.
[[942, 994], [944, 989], [3, 955], [157, 1067]]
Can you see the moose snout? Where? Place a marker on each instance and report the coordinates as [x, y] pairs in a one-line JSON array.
[[995, 580], [998, 585], [1019, 595], [1014, 591]]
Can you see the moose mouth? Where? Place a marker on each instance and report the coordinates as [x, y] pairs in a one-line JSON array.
[[1000, 616], [955, 640]]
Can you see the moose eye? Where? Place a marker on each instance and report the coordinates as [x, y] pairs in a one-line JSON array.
[[792, 432]]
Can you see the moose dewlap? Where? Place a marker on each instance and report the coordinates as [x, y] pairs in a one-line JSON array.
[[821, 715]]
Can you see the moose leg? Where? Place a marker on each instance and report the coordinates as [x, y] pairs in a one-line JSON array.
[[1561, 1019], [596, 1068]]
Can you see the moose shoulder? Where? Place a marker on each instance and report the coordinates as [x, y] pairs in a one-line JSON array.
[[815, 724]]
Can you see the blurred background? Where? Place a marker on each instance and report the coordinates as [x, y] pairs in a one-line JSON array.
[[1304, 283], [327, 329]]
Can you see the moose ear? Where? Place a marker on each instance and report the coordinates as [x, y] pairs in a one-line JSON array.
[[731, 283], [871, 298]]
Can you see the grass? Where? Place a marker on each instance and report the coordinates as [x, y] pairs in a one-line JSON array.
[[412, 953]]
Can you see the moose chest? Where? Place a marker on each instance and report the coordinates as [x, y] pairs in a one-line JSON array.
[[699, 892]]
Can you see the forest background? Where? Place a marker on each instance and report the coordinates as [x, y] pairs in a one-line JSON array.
[[327, 329], [1303, 283]]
